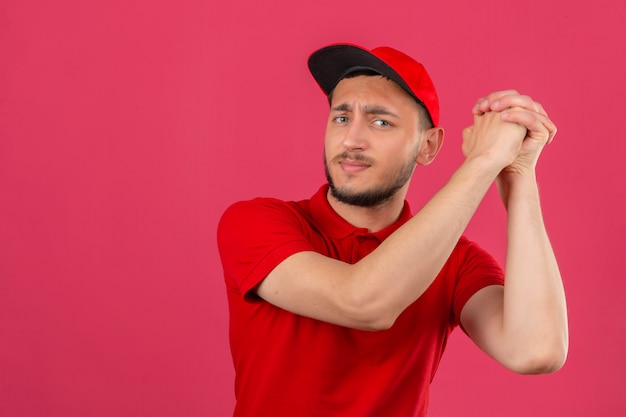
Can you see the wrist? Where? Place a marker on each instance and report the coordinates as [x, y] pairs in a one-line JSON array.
[[517, 186], [482, 166]]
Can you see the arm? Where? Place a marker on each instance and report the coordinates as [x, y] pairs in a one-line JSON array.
[[373, 292], [523, 325]]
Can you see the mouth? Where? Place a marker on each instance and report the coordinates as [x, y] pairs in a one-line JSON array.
[[352, 165]]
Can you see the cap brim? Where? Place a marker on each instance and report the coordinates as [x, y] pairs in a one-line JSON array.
[[332, 63]]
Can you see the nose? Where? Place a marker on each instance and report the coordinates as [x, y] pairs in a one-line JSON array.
[[356, 135]]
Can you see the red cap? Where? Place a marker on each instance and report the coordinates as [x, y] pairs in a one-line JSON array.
[[332, 63]]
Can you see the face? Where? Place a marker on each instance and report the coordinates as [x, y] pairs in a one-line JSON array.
[[373, 140]]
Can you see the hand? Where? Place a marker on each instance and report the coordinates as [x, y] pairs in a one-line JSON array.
[[494, 140], [530, 114]]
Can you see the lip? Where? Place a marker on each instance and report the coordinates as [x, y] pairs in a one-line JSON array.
[[352, 166]]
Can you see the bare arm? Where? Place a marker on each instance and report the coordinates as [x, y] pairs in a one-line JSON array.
[[524, 324], [373, 292]]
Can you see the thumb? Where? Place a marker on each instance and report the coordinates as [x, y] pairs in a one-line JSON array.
[[466, 135]]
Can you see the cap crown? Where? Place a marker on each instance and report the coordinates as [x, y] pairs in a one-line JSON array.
[[414, 75], [330, 64]]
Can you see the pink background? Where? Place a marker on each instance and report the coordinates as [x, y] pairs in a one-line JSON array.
[[126, 128]]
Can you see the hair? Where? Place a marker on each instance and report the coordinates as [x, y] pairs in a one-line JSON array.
[[424, 117]]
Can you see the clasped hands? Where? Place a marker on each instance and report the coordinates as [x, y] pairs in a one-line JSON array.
[[510, 130]]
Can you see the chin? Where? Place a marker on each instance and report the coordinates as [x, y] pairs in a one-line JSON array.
[[363, 198]]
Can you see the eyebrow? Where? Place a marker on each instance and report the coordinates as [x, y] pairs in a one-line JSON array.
[[369, 109]]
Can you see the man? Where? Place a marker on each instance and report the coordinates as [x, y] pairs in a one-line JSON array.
[[341, 305]]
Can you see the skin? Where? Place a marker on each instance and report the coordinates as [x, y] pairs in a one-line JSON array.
[[386, 133], [523, 324]]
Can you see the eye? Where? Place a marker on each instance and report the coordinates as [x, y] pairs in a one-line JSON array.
[[340, 119], [382, 123]]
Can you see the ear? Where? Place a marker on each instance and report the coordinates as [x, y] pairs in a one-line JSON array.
[[431, 144]]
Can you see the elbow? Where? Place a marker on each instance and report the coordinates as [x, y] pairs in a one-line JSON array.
[[370, 314], [376, 325], [539, 365], [371, 320], [540, 361]]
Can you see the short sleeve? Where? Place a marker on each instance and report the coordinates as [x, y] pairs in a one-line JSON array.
[[255, 236], [477, 269]]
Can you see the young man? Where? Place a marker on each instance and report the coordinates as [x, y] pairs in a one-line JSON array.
[[341, 305]]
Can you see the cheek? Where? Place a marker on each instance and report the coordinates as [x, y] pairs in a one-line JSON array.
[[332, 143], [399, 151], [413, 149], [415, 152], [403, 158], [328, 137]]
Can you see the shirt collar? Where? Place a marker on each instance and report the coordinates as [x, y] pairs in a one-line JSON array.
[[335, 226]]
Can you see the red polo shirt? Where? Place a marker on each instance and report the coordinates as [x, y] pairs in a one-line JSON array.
[[289, 365]]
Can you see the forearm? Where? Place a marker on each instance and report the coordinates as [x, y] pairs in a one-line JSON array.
[[406, 263], [372, 293], [534, 308]]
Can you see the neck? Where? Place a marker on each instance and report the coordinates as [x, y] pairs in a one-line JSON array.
[[371, 218]]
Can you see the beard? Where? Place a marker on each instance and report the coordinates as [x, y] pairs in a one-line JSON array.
[[376, 195]]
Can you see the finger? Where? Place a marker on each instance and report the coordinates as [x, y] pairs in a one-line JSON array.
[[483, 104], [537, 124], [466, 135], [541, 109], [551, 127], [503, 100], [521, 101]]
